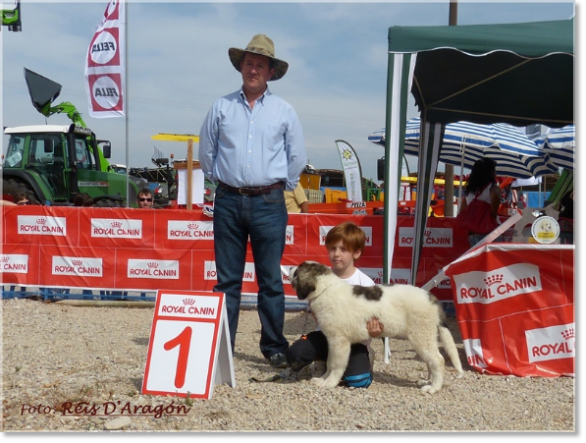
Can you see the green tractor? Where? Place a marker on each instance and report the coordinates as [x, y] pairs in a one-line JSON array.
[[55, 163], [12, 18]]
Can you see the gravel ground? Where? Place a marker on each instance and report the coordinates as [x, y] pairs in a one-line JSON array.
[[54, 354]]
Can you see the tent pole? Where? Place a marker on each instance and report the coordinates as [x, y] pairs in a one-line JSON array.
[[398, 83], [463, 146], [449, 170]]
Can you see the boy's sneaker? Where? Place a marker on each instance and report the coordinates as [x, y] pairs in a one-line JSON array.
[[208, 210], [319, 368], [278, 360]]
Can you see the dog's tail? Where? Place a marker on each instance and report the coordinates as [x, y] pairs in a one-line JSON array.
[[447, 339], [450, 347]]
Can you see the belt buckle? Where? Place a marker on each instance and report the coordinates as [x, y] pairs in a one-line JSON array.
[[244, 191]]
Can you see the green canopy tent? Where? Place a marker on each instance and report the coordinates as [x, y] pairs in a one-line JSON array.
[[519, 74]]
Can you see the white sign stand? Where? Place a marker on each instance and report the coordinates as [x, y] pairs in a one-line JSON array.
[[189, 348], [197, 185]]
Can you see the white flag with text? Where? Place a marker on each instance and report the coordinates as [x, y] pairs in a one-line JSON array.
[[352, 173], [104, 65]]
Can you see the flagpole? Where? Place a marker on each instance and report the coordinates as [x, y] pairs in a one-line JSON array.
[[127, 77]]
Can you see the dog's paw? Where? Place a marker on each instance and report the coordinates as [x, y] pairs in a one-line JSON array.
[[428, 389], [331, 382], [423, 382], [328, 383], [318, 381]]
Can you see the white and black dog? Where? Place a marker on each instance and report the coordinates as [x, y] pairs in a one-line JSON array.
[[342, 311]]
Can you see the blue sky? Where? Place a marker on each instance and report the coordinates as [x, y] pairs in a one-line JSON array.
[[178, 64]]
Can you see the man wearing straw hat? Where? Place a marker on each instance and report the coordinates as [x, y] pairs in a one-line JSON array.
[[251, 145]]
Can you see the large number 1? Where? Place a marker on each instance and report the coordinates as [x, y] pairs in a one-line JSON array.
[[183, 340]]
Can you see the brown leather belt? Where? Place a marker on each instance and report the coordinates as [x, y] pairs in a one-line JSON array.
[[255, 190]]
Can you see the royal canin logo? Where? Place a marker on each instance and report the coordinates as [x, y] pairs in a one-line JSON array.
[[497, 285], [41, 221], [5, 259], [193, 226], [116, 224], [493, 279], [555, 342], [188, 301], [153, 265], [77, 262]]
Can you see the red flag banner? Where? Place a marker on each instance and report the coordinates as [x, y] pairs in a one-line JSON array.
[[104, 65], [515, 308]]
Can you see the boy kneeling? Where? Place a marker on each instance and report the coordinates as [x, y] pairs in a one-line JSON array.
[[345, 243]]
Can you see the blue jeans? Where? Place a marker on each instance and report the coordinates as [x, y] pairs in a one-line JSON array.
[[263, 218]]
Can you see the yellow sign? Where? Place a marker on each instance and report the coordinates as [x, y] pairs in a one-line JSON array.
[[176, 137]]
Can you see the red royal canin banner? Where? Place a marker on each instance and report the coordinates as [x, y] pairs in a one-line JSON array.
[[138, 249], [515, 308], [104, 64]]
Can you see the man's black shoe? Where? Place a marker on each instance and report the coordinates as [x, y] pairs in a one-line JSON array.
[[278, 360]]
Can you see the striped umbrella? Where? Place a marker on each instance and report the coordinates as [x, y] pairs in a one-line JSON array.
[[560, 144], [464, 143]]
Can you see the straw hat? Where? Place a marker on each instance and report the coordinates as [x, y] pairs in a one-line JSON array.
[[262, 45]]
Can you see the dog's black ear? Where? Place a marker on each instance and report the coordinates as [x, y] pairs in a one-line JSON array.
[[304, 289]]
